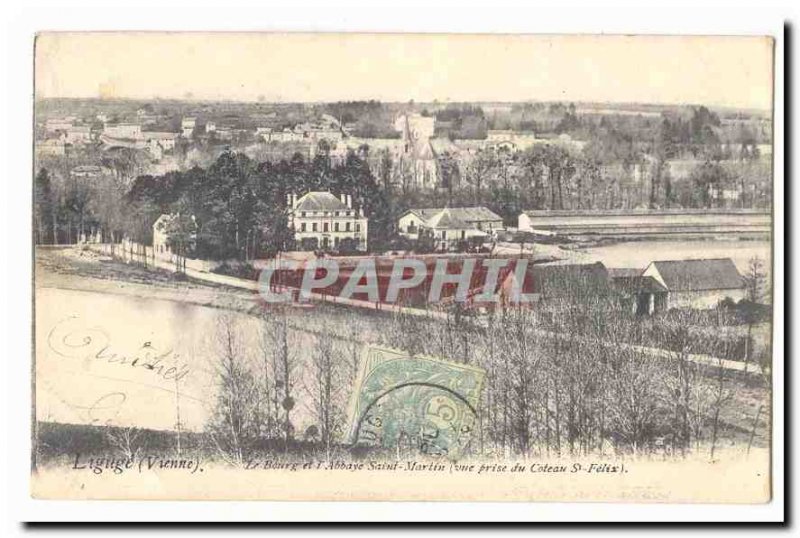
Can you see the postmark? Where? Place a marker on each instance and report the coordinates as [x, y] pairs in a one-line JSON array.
[[417, 403]]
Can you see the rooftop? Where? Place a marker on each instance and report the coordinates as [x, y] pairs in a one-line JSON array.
[[87, 168], [564, 280], [624, 272], [159, 134], [466, 214], [639, 283], [319, 201], [639, 212], [698, 275], [447, 219]]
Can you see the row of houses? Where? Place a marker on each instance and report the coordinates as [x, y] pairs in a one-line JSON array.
[[661, 286], [323, 221], [131, 135], [63, 133], [416, 151]]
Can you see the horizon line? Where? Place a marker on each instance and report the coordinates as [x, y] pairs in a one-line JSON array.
[[435, 101]]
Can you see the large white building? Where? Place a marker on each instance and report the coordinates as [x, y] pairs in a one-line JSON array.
[[320, 220]]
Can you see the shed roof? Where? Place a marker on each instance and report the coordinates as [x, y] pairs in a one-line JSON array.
[[638, 284], [564, 280], [557, 278], [698, 275], [624, 272]]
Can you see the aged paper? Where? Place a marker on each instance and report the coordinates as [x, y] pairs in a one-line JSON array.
[[403, 267]]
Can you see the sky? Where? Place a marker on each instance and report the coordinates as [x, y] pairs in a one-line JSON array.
[[274, 67]]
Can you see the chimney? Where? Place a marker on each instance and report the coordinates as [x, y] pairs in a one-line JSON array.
[[294, 200], [349, 201], [289, 200], [343, 198]]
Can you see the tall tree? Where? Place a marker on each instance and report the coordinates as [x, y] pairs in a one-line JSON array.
[[44, 214]]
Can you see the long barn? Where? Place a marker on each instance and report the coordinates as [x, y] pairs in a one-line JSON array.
[[648, 223]]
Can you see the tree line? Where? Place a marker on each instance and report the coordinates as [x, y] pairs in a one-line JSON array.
[[238, 207], [613, 169]]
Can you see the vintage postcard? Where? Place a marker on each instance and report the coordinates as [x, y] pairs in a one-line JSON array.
[[394, 267]]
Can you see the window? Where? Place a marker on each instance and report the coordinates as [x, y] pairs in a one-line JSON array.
[[325, 227], [303, 227], [358, 227], [335, 226], [313, 226], [302, 213], [444, 234], [463, 234], [347, 226]]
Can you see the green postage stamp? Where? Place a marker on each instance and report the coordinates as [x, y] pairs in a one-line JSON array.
[[400, 401]]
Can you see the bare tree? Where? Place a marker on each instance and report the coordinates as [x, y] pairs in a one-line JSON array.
[[126, 440], [232, 426], [755, 279], [325, 385], [268, 404], [284, 363]]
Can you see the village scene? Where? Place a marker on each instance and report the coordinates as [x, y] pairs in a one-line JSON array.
[[646, 229]]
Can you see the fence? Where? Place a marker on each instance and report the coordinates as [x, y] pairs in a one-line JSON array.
[[132, 252], [129, 251]]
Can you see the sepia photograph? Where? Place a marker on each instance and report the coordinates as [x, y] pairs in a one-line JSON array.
[[403, 267]]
